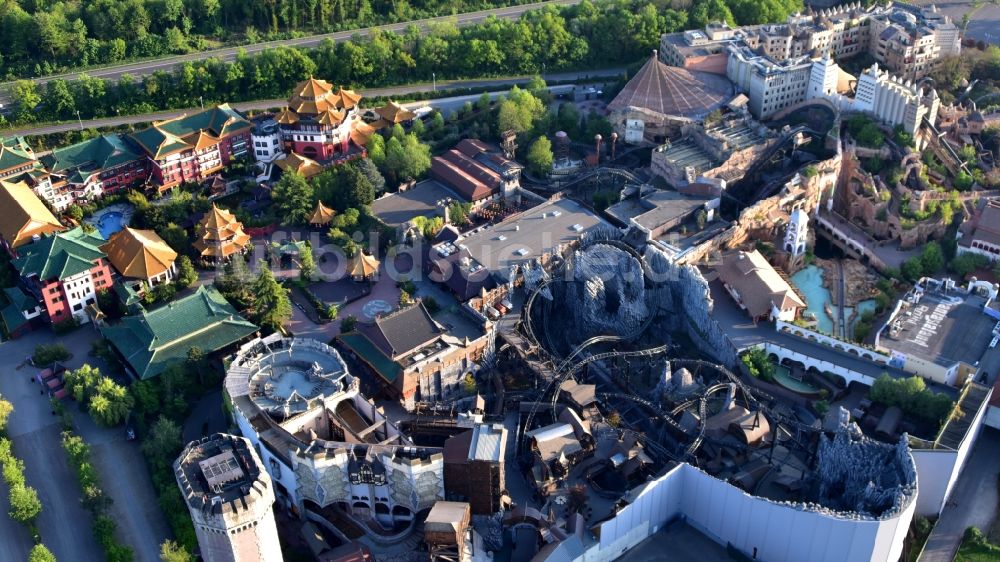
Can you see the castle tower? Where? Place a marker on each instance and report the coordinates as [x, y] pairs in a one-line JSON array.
[[797, 233], [229, 495]]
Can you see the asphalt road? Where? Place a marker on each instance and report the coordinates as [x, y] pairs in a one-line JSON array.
[[139, 69], [973, 501], [446, 105], [63, 523]]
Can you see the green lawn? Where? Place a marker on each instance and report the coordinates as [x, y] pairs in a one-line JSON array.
[[978, 553], [975, 548]]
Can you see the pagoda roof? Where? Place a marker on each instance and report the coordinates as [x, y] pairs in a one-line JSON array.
[[154, 340], [173, 135], [14, 152], [314, 97], [287, 117], [90, 156], [392, 113], [220, 234], [296, 163]]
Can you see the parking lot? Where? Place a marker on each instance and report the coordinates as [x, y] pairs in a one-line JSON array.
[[35, 432]]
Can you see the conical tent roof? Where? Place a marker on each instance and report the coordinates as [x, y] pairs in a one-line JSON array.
[[362, 265], [670, 90], [321, 214]]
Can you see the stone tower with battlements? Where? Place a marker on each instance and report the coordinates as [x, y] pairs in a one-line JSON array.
[[230, 497]]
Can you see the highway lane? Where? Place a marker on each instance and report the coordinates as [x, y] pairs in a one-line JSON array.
[[143, 68], [446, 105]]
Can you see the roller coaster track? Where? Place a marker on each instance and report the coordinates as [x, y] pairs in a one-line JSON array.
[[591, 174], [957, 160], [781, 144], [751, 397]]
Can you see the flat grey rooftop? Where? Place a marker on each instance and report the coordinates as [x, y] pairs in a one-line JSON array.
[[657, 208], [527, 236], [943, 329], [426, 199]]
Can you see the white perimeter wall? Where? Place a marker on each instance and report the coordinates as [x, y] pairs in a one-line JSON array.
[[939, 469], [729, 515]]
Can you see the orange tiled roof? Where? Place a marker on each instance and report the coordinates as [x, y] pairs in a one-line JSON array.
[[299, 164], [23, 215], [140, 254]]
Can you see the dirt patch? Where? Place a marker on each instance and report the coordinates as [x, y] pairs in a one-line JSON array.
[[859, 281]]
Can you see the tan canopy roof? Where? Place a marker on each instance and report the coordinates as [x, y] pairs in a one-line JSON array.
[[140, 254], [362, 265], [321, 215], [305, 167]]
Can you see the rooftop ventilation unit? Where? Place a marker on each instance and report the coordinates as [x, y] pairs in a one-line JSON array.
[[523, 252]]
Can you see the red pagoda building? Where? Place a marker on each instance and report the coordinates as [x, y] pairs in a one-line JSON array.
[[322, 124]]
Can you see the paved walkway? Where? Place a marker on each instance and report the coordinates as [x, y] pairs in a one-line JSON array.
[[64, 523], [124, 476], [384, 290], [973, 501]]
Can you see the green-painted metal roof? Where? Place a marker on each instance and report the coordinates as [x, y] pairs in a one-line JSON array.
[[124, 291], [154, 340], [366, 350], [16, 302], [98, 153], [166, 136], [58, 256], [14, 152]]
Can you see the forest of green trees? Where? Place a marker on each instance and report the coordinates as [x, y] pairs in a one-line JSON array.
[[588, 35], [45, 36]]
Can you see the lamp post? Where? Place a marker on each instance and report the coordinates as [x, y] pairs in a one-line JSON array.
[[78, 120], [201, 100], [434, 83]]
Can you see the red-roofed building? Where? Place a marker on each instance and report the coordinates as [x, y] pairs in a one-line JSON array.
[[477, 172]]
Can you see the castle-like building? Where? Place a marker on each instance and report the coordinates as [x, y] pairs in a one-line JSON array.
[[773, 64], [230, 497]]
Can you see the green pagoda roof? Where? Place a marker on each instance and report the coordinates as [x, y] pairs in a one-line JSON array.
[[154, 340], [14, 152], [165, 137], [99, 153], [61, 255]]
